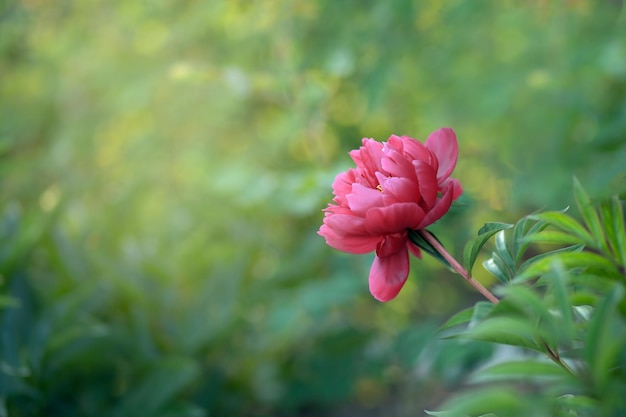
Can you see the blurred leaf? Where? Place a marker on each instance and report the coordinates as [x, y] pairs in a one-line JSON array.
[[573, 249], [565, 223], [498, 400], [520, 245], [559, 286], [590, 215], [505, 330], [524, 370], [162, 383], [586, 261], [481, 310], [473, 247], [464, 316], [605, 338], [613, 218], [552, 236]]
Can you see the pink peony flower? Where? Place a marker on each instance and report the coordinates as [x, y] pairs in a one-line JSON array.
[[397, 185]]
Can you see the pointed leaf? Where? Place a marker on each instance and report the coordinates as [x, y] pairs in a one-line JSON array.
[[462, 317], [503, 250], [495, 266], [553, 236], [559, 289], [605, 337], [585, 260], [573, 248], [519, 245], [473, 247], [417, 239], [525, 370], [481, 310], [566, 223], [589, 214], [505, 330], [619, 230], [501, 401]]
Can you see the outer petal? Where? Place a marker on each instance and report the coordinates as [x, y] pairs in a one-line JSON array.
[[414, 150], [351, 244], [444, 145], [391, 244], [393, 219], [440, 208], [388, 274], [428, 186]]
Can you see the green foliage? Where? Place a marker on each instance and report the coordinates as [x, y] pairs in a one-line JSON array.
[[473, 247], [564, 311], [163, 165]]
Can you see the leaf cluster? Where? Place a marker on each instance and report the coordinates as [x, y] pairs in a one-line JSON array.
[[563, 310]]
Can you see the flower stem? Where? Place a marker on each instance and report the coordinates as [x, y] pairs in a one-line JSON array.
[[457, 266]]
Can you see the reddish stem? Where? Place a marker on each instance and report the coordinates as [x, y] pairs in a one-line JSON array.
[[457, 266]]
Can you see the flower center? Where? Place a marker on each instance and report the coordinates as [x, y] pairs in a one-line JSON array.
[[379, 188]]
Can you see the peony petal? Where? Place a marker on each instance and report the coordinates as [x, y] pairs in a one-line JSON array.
[[397, 165], [391, 244], [388, 274], [393, 219], [457, 189], [362, 199], [440, 208], [428, 186], [415, 250], [415, 150], [444, 145], [400, 190], [351, 244]]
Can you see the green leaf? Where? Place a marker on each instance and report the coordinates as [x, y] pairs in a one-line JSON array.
[[417, 239], [528, 369], [534, 259], [534, 311], [461, 317], [505, 330], [590, 216], [553, 236], [481, 310], [503, 250], [499, 400], [588, 261], [473, 247], [519, 245], [618, 230], [495, 265], [159, 386], [566, 223], [605, 337], [558, 284]]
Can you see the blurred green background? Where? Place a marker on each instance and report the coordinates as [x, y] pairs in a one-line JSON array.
[[164, 164]]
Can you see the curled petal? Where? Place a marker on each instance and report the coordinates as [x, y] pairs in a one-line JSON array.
[[396, 190], [444, 145], [428, 186], [457, 189], [388, 274], [415, 250], [391, 244], [442, 205], [363, 198], [414, 150]]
